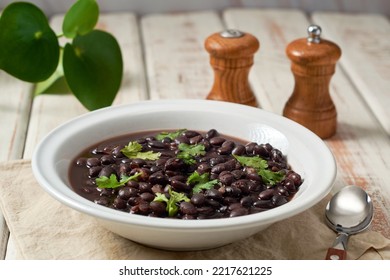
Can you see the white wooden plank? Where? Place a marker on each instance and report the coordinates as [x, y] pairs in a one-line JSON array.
[[361, 147], [15, 103], [51, 110], [270, 75], [177, 62], [364, 40]]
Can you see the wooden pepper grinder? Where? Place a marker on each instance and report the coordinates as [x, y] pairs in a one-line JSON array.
[[231, 57], [313, 64]]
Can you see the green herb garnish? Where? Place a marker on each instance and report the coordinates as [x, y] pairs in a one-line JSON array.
[[104, 182], [261, 166], [133, 150], [188, 152], [174, 198], [171, 135], [202, 182]]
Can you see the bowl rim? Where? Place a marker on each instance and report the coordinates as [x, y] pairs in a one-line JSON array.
[[70, 198]]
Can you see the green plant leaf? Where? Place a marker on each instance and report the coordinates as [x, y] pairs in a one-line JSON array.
[[55, 84], [29, 48], [81, 18], [93, 68]]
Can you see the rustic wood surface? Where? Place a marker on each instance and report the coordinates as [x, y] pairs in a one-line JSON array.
[[165, 58]]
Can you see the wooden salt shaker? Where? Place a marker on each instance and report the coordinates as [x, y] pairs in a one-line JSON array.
[[313, 64], [231, 57]]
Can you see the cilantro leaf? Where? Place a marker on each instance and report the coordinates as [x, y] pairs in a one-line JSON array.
[[256, 162], [174, 198], [171, 135], [133, 150], [104, 182], [202, 182], [270, 177], [261, 166], [188, 152]]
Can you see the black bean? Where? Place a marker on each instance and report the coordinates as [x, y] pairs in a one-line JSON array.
[[174, 164], [217, 160], [182, 139], [211, 133], [102, 201], [249, 148], [196, 139], [238, 212], [261, 150], [81, 162], [158, 208], [198, 199], [213, 203], [127, 192], [239, 150], [238, 174], [119, 203], [137, 163], [107, 159], [147, 196], [276, 155], [217, 141], [158, 178], [144, 187], [107, 171], [203, 168], [188, 208], [289, 185], [219, 168], [278, 200], [214, 194], [224, 150], [232, 191], [266, 194], [226, 178], [155, 144], [124, 168], [281, 190], [166, 140], [107, 192], [179, 186], [190, 133], [93, 162], [265, 204], [205, 210], [94, 171], [246, 201], [295, 177], [132, 184], [143, 207]]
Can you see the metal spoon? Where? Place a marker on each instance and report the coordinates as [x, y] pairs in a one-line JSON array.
[[348, 212]]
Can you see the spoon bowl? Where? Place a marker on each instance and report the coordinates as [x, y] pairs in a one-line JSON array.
[[350, 211]]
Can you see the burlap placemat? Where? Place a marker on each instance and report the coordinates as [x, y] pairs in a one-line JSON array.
[[43, 228]]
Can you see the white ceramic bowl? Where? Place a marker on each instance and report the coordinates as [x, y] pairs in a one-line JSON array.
[[307, 154]]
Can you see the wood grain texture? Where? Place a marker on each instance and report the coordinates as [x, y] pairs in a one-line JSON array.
[[270, 77], [15, 107], [176, 60], [360, 146], [310, 104], [365, 42], [231, 60], [49, 111]]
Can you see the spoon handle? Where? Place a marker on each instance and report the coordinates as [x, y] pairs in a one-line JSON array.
[[336, 254]]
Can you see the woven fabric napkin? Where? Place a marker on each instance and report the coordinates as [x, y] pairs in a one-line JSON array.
[[43, 228]]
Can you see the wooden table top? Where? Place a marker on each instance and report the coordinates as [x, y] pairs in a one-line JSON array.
[[164, 58]]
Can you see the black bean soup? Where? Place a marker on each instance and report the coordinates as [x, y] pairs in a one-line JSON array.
[[184, 174]]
